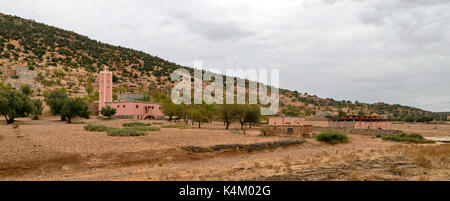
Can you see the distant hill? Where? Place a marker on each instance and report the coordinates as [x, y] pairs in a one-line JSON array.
[[67, 59]]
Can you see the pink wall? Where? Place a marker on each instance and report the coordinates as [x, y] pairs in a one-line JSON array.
[[105, 88], [139, 110], [286, 121]]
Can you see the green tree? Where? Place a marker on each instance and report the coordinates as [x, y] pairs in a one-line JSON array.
[[199, 114], [169, 108], [89, 87], [14, 104], [56, 100], [45, 94], [253, 115], [37, 108], [240, 113], [25, 89], [183, 112], [75, 107], [225, 113], [108, 111], [341, 113]]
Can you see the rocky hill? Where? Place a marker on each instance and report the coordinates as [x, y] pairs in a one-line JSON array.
[[63, 58]]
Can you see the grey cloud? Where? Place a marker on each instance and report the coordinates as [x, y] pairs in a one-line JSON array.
[[214, 30]]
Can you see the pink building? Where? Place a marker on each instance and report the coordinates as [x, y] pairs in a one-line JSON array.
[[137, 110], [286, 121], [361, 122]]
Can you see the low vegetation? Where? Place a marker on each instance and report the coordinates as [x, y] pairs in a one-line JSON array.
[[246, 147], [145, 128], [130, 131], [177, 125], [127, 131], [404, 137], [131, 124], [93, 127], [332, 137]]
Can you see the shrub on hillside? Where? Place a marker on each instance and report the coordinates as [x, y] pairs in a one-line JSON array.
[[332, 137]]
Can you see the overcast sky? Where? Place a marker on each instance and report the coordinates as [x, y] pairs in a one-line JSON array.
[[395, 51]]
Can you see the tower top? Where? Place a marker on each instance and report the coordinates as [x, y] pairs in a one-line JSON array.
[[105, 68]]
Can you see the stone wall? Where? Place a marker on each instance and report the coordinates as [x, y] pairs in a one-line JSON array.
[[286, 131]]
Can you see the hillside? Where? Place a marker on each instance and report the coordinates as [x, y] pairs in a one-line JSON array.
[[66, 59]]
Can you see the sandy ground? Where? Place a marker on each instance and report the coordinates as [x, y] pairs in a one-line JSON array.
[[49, 149]]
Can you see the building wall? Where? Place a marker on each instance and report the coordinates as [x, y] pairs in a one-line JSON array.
[[139, 110], [285, 130], [384, 125], [448, 117], [125, 109], [25, 74], [286, 121], [9, 73]]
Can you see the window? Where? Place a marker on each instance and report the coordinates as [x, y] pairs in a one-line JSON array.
[[123, 106], [137, 106], [290, 130], [118, 106]]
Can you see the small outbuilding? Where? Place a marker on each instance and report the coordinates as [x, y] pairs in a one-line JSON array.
[[286, 126]]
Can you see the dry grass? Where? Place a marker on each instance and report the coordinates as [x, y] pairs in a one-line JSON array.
[[430, 156], [247, 147]]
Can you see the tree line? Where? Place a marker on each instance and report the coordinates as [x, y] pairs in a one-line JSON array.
[[18, 103], [244, 114]]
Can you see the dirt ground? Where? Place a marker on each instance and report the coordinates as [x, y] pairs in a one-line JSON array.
[[49, 149]]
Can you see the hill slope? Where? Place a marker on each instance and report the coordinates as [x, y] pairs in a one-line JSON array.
[[64, 58]]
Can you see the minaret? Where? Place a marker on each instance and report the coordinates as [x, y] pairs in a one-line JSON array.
[[105, 88]]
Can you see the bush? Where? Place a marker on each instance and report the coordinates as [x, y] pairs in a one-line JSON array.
[[403, 137], [332, 137], [14, 104], [75, 107], [178, 125], [246, 147], [108, 111], [93, 127], [125, 132], [130, 124], [144, 128]]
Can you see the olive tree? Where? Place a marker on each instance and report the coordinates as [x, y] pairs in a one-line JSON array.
[[74, 107], [14, 104], [56, 100]]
